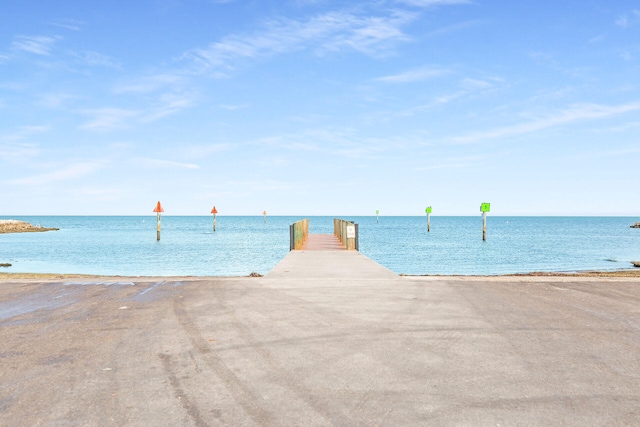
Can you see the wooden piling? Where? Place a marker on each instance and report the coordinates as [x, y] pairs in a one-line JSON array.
[[347, 233], [298, 233], [484, 208], [158, 210], [214, 211], [484, 226]]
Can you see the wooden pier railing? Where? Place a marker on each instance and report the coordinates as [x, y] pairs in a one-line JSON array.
[[347, 233], [298, 233]]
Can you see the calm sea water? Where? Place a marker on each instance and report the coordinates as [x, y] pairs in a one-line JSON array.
[[242, 244]]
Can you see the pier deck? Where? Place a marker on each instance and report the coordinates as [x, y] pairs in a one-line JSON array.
[[322, 242], [323, 257]]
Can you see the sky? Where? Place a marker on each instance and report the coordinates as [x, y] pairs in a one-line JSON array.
[[319, 107]]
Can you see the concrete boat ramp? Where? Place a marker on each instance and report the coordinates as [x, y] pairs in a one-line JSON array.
[[327, 338]]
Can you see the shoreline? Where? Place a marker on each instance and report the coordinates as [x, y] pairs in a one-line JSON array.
[[628, 274]]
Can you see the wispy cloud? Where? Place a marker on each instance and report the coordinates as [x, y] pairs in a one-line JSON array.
[[573, 114], [168, 104], [22, 133], [151, 83], [109, 118], [105, 119], [629, 19], [330, 32], [477, 84], [69, 24], [618, 152], [204, 150], [261, 186], [234, 107], [63, 173], [468, 87], [102, 194], [39, 45], [431, 3], [163, 164], [454, 28], [414, 75], [54, 100], [13, 152], [344, 143], [458, 162], [597, 39], [95, 59]]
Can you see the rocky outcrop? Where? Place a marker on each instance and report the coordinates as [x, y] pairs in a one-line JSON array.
[[14, 226], [636, 225]]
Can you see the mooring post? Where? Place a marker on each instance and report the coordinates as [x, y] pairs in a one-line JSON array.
[[214, 211], [158, 210], [484, 226], [265, 216], [292, 238], [377, 213], [428, 211], [357, 244], [351, 236], [484, 208]]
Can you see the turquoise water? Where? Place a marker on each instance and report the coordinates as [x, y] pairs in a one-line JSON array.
[[244, 244]]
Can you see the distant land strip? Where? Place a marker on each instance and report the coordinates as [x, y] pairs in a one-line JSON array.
[[15, 226]]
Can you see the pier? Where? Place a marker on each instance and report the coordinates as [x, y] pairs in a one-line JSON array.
[[345, 236], [324, 257]]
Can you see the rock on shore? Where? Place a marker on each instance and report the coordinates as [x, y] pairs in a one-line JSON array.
[[14, 226]]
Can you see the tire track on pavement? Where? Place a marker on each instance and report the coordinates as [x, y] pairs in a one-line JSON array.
[[243, 395], [192, 409]]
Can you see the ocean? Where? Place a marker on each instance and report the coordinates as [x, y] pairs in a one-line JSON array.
[[127, 245]]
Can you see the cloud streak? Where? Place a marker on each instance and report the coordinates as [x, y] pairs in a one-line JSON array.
[[629, 20], [95, 59], [330, 32], [573, 114], [432, 3], [38, 45], [23, 133], [415, 75], [167, 105], [13, 152], [163, 164], [150, 83], [109, 118], [69, 172]]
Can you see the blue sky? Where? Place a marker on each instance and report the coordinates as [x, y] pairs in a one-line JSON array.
[[319, 107]]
